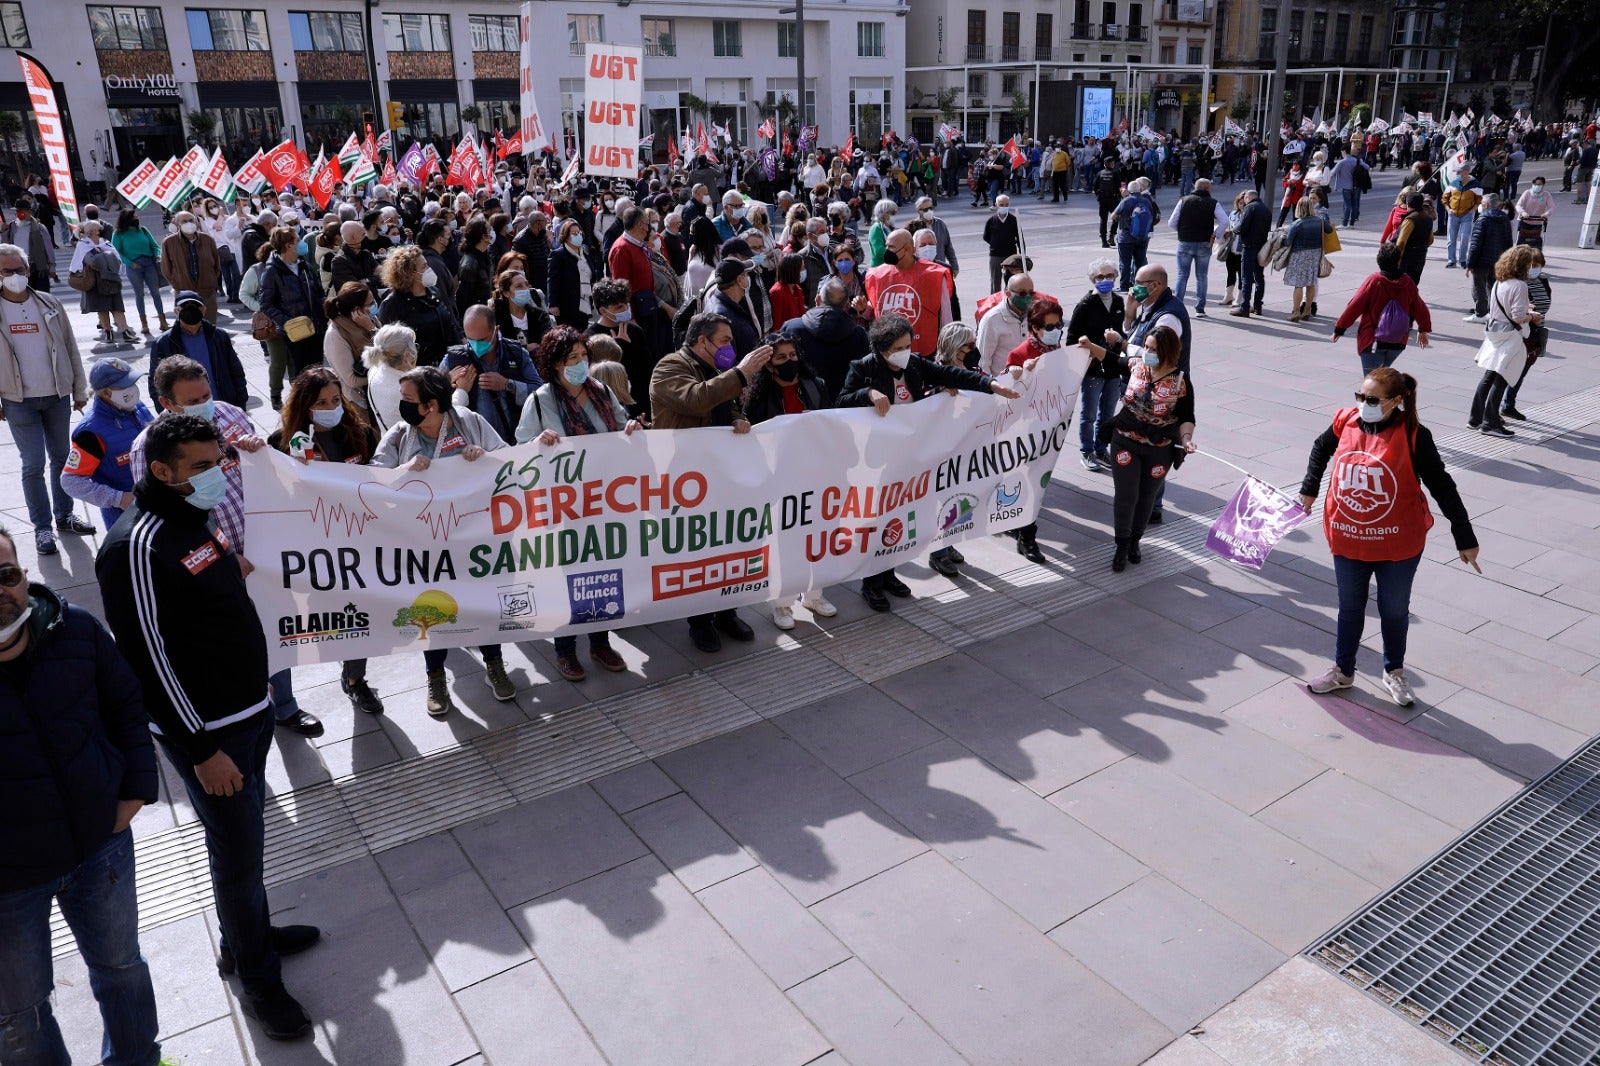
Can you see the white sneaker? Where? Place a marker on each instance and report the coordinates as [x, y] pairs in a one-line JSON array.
[[1399, 688], [783, 616], [818, 604], [1332, 681], [1480, 319]]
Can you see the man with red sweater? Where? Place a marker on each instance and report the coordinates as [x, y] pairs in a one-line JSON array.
[[629, 262], [1386, 304]]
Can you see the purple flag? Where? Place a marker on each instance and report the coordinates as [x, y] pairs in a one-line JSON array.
[[769, 163], [1254, 521], [411, 163]]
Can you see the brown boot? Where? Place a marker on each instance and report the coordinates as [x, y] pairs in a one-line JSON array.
[[163, 317]]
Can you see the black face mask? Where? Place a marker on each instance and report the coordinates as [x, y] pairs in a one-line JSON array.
[[411, 413], [190, 315], [786, 372], [891, 257]]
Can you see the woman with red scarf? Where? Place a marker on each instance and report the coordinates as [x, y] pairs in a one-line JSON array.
[[1377, 519], [572, 404]]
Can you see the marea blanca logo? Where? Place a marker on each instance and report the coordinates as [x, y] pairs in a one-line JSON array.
[[596, 596], [320, 627], [1363, 487], [1007, 501], [956, 514]]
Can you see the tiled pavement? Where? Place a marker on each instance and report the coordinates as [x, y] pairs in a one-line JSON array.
[[1043, 815]]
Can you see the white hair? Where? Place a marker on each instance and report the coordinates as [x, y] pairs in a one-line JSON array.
[[393, 345], [12, 249], [731, 198], [1099, 264], [883, 209], [527, 203]]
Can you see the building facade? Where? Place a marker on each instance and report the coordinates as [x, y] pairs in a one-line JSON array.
[[147, 79]]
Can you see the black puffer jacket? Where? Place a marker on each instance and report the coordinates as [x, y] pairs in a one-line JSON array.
[[434, 322], [829, 340], [74, 740], [292, 291]]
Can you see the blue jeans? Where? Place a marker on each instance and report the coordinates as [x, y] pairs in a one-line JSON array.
[[1097, 403], [1195, 255], [1131, 256], [39, 426], [1250, 280], [1352, 206], [235, 836], [1374, 357], [284, 705], [1185, 182], [1394, 608], [1458, 233], [99, 902], [146, 274], [229, 278]]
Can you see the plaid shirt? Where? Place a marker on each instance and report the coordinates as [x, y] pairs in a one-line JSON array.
[[232, 423]]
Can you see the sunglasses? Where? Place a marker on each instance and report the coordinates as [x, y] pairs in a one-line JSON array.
[[1362, 397], [11, 575]]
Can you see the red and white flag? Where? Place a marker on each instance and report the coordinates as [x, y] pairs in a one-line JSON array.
[[766, 129], [389, 176], [673, 155], [324, 175], [849, 149], [1017, 158], [53, 134], [281, 165], [572, 170]]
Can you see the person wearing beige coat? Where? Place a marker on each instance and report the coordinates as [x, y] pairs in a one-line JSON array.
[[189, 260]]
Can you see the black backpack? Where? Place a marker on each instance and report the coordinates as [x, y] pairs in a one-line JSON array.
[[1362, 178], [680, 322]]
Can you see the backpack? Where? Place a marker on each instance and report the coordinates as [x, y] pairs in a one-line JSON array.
[[1139, 220], [1394, 323], [1362, 178]]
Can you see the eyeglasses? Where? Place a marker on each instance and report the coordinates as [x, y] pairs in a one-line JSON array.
[[1104, 277], [1362, 397], [11, 575], [6, 272]]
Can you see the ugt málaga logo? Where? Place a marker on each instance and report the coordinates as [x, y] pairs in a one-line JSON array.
[[1363, 487], [901, 300]]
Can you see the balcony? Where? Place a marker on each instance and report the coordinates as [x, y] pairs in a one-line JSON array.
[[978, 53], [1043, 53], [1111, 32], [1138, 33], [1082, 31], [1010, 53], [663, 47]]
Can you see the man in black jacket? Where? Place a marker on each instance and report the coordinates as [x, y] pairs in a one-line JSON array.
[[209, 345], [828, 336], [533, 244], [1108, 192], [891, 375], [75, 767], [1491, 236], [175, 597], [1255, 226], [352, 262]]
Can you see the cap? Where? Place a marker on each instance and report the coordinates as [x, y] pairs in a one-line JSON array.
[[1017, 263], [111, 373], [188, 296], [728, 270]]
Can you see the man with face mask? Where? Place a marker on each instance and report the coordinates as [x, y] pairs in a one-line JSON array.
[[828, 335], [944, 248], [701, 385], [175, 597], [731, 221], [730, 285], [190, 261], [77, 765], [33, 237], [1005, 325], [1003, 236], [492, 376], [192, 336], [917, 290], [99, 468]]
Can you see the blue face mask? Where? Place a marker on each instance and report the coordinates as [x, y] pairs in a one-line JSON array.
[[803, 276], [759, 259], [481, 348], [207, 410], [1104, 286], [302, 248], [522, 297], [1152, 358], [576, 374], [844, 267], [209, 486], [625, 315]]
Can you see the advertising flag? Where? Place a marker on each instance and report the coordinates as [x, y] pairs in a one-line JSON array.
[[389, 178], [216, 179], [323, 177], [52, 134], [250, 178], [431, 163], [1016, 156], [766, 129], [386, 142], [173, 184], [348, 153], [1253, 523], [571, 171], [135, 188], [411, 164], [535, 134], [613, 89], [849, 149], [673, 155]]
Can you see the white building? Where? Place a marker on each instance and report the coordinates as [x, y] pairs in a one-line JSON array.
[[737, 57]]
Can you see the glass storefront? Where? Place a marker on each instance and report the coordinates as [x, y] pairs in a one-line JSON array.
[[147, 131]]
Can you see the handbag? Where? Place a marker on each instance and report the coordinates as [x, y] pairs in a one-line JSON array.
[[86, 277], [299, 328], [1330, 243], [262, 328], [1324, 266], [1536, 337]]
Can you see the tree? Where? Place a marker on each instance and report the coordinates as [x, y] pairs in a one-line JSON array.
[[1020, 110], [693, 105], [1491, 33], [202, 124], [471, 113], [786, 109], [10, 127], [431, 608], [1360, 115], [947, 103]]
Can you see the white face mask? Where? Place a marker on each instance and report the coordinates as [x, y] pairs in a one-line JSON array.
[[125, 399], [14, 628], [899, 360], [926, 251], [16, 283], [188, 229], [430, 277]]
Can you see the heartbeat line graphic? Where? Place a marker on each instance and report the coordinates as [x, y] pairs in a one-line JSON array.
[[1052, 403], [441, 525], [328, 515], [374, 499]]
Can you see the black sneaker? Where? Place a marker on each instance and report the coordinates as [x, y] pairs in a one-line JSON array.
[[1156, 518], [1512, 412], [731, 625], [306, 725], [1029, 550], [1498, 429], [875, 598], [280, 1014], [362, 698], [704, 637], [74, 525], [286, 940], [943, 564], [895, 587]]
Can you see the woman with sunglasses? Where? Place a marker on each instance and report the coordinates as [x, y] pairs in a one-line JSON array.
[[1377, 519], [1149, 436]]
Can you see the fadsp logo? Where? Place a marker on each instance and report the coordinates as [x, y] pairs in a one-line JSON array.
[[901, 300], [730, 571], [319, 627], [596, 596], [1007, 497], [1363, 487], [956, 513]]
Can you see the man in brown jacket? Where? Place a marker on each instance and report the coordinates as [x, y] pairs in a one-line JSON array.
[[189, 261], [700, 385]]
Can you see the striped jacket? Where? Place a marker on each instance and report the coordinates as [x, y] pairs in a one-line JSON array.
[[175, 600]]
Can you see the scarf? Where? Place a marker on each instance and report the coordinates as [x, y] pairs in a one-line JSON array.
[[573, 420]]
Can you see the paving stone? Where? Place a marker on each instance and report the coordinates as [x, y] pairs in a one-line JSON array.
[[980, 975], [854, 730], [1226, 758], [1187, 1051], [1025, 852], [1514, 740], [1041, 659], [465, 931], [1367, 832], [1280, 890], [544, 845], [688, 842], [811, 829], [1167, 951], [1405, 763], [520, 1017], [656, 980], [868, 1022], [634, 787], [772, 927], [216, 1043]]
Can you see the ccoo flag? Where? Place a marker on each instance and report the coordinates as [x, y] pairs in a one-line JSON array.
[[53, 134]]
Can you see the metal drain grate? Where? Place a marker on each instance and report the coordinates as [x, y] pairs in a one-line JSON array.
[[1494, 944]]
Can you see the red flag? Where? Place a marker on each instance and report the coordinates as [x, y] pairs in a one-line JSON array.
[[1017, 158], [333, 165], [281, 165], [849, 149], [431, 164], [455, 174], [369, 147], [788, 146], [886, 139], [321, 188], [672, 150], [389, 176], [703, 143], [499, 145], [766, 129]]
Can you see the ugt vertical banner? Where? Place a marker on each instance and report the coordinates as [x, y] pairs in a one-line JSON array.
[[534, 134], [53, 135], [613, 87]]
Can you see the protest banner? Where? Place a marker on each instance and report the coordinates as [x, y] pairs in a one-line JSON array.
[[135, 188], [613, 529], [52, 135], [533, 131], [613, 87], [1253, 523]]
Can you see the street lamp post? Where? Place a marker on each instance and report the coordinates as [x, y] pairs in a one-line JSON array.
[[799, 13], [1280, 79]]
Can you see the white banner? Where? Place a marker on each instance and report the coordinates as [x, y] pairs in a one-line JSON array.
[[613, 84], [536, 136], [612, 530]]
